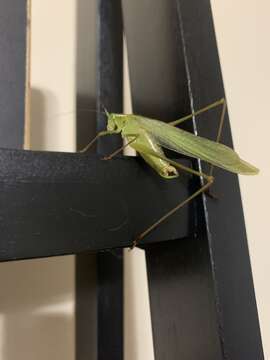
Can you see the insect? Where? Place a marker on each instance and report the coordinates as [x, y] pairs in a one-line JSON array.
[[149, 136]]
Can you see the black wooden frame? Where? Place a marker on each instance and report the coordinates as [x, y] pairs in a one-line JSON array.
[[203, 282], [211, 313]]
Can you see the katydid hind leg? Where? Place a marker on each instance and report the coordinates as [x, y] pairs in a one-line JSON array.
[[205, 187], [215, 104], [222, 102], [220, 128], [170, 213]]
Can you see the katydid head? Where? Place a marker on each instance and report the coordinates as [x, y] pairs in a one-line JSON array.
[[116, 122]]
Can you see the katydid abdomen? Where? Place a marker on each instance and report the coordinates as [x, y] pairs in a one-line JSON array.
[[162, 167]]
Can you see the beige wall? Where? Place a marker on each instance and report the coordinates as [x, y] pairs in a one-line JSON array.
[[36, 305]]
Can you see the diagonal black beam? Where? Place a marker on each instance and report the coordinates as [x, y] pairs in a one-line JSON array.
[[201, 290], [223, 223], [90, 204]]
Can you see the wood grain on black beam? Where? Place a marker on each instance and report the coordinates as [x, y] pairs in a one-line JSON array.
[[90, 204]]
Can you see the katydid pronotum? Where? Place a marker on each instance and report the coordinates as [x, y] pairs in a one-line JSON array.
[[148, 136]]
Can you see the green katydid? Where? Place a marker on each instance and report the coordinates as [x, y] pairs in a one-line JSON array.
[[148, 136]]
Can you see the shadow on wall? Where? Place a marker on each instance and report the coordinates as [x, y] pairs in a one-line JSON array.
[[41, 101], [41, 323], [49, 118]]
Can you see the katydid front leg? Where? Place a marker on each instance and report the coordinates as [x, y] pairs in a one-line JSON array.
[[100, 134], [109, 157], [142, 138]]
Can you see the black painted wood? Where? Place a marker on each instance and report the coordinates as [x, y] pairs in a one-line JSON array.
[[66, 203], [201, 290], [109, 68], [12, 72], [110, 305], [110, 96], [86, 306], [238, 324], [182, 301], [108, 93], [86, 264], [179, 275]]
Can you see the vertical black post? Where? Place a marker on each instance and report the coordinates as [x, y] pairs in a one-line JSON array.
[[13, 20], [86, 307], [99, 278], [86, 264], [109, 68], [110, 96]]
